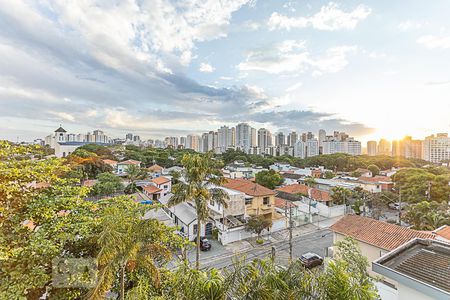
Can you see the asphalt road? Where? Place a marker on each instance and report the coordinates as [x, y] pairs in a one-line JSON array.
[[315, 242]]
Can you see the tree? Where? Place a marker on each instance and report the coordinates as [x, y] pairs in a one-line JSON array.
[[175, 176], [257, 224], [89, 166], [340, 195], [202, 181], [374, 169], [427, 215], [134, 173], [107, 184], [270, 179], [132, 248], [43, 216]]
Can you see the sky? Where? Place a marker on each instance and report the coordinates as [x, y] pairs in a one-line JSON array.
[[158, 68]]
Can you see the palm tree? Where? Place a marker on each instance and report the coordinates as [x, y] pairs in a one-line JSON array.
[[202, 179], [340, 195], [127, 243], [134, 173]]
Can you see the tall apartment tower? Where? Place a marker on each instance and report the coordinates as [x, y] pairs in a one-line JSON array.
[[224, 136], [372, 148], [384, 147], [264, 139], [280, 139], [436, 148], [244, 137], [292, 138]]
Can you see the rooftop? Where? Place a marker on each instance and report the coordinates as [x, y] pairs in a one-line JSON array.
[[248, 187], [316, 194], [151, 189], [60, 129], [376, 233], [421, 264], [110, 162], [129, 162], [160, 180], [443, 231], [184, 211]]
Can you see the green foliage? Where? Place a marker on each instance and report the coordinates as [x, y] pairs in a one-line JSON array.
[[427, 215], [415, 184], [257, 224], [374, 169], [340, 195], [329, 175], [87, 167], [202, 176], [270, 179], [103, 151], [107, 184]]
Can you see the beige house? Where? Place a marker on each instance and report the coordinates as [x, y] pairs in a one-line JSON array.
[[259, 200], [375, 238]]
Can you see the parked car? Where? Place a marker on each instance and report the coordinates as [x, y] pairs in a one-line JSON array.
[[311, 260], [396, 205], [205, 245]]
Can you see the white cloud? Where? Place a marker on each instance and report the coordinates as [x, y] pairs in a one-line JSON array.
[[330, 18], [409, 25], [434, 42], [62, 115], [294, 87], [291, 56], [251, 25], [206, 68], [226, 78]]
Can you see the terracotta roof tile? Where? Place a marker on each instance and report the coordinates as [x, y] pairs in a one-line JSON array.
[[151, 189], [282, 203], [130, 162], [443, 231], [160, 180], [375, 179], [155, 168], [316, 194], [248, 187], [379, 234], [110, 162]]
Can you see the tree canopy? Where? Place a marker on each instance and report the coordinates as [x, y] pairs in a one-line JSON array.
[[270, 179]]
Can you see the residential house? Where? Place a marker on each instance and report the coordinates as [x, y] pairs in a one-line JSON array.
[[152, 191], [163, 183], [375, 238], [122, 166], [184, 216], [295, 192], [420, 268], [155, 170], [443, 233], [376, 184], [111, 163], [259, 200]]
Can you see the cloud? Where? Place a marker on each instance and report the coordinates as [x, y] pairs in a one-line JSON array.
[[206, 68], [292, 56], [294, 87], [329, 18], [409, 25], [445, 82], [434, 42]]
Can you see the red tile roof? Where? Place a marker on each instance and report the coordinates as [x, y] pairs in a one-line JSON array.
[[155, 168], [376, 233], [281, 203], [160, 180], [248, 187], [151, 189], [316, 194], [110, 162], [375, 179], [443, 231], [130, 162]]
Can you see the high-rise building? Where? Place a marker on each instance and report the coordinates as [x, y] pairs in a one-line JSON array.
[[372, 148], [410, 148], [384, 147], [312, 147], [212, 141], [244, 137], [292, 138], [193, 142], [136, 138], [349, 146], [254, 137], [204, 143], [171, 141], [300, 149], [224, 136], [396, 148], [182, 142], [264, 139], [129, 136], [280, 139], [322, 138], [436, 148]]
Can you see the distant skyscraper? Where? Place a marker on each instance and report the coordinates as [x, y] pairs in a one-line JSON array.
[[280, 139], [136, 138], [182, 142], [384, 147], [264, 139], [322, 136], [292, 138], [129, 136], [225, 136], [254, 137], [193, 142], [371, 148], [436, 148], [204, 143], [244, 137], [396, 148]]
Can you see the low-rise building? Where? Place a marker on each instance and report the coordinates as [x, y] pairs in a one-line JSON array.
[[122, 166], [163, 183], [420, 268]]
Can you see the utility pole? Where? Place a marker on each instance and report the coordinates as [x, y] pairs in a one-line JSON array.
[[290, 233], [400, 206]]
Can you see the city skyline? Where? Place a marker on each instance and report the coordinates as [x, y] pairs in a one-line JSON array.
[[368, 68]]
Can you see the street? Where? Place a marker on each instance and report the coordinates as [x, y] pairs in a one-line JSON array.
[[316, 241]]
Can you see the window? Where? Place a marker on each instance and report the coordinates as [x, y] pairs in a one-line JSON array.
[[248, 201], [266, 200], [212, 203], [166, 186]]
